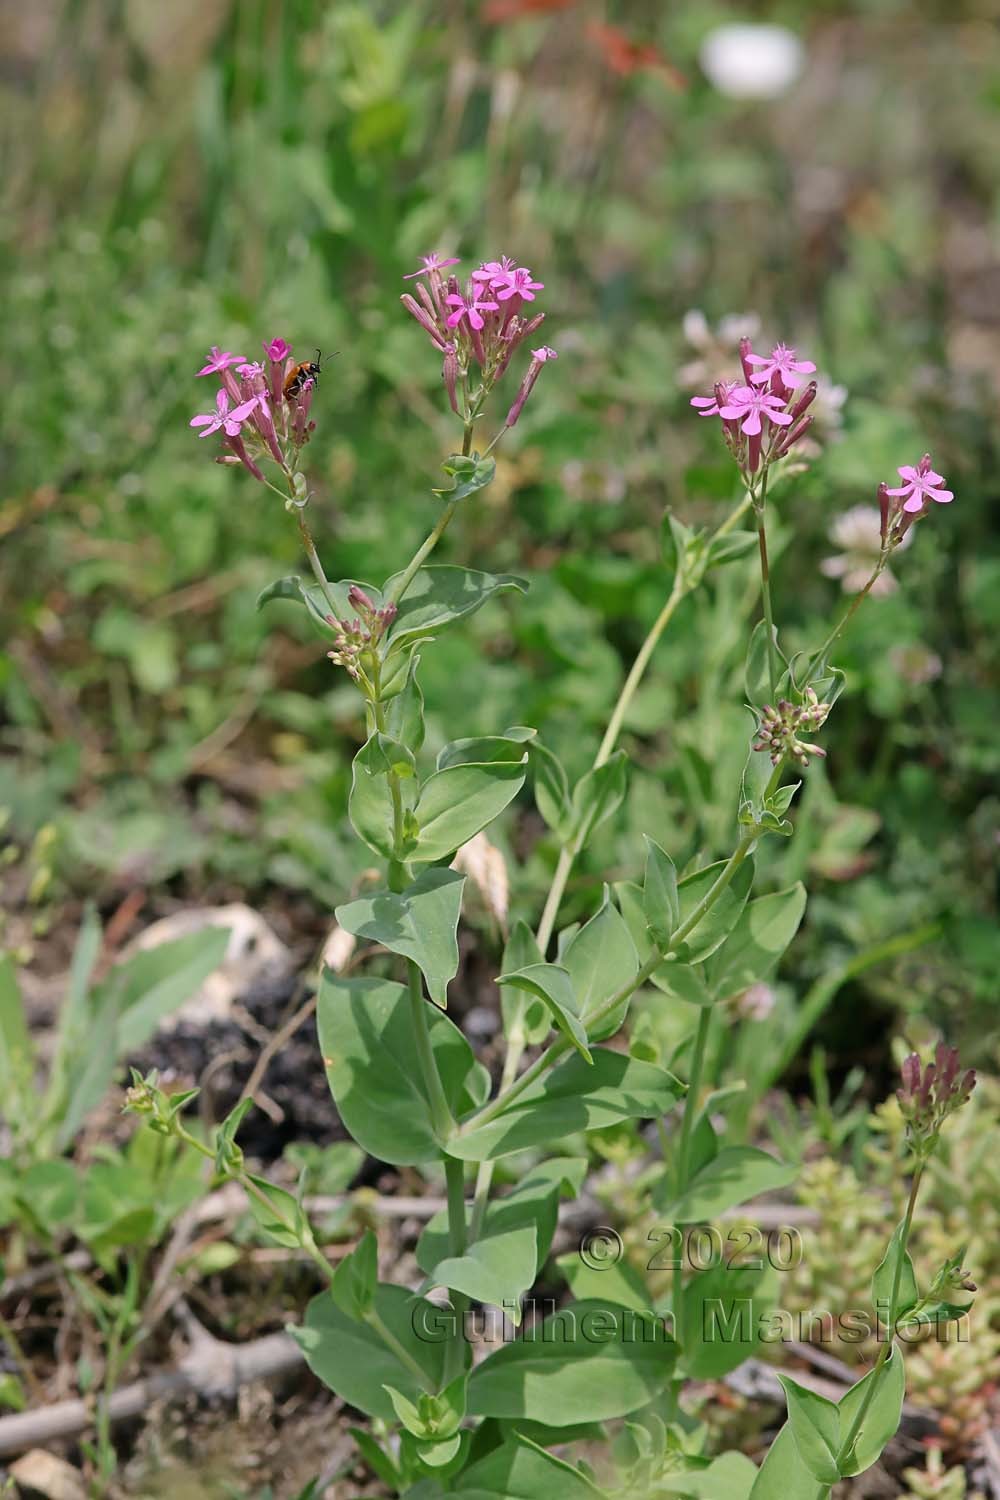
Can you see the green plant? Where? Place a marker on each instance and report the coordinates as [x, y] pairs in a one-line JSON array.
[[406, 1082]]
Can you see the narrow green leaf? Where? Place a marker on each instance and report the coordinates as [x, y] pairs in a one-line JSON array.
[[758, 940], [601, 960], [815, 1424], [552, 794], [720, 919], [737, 1174], [553, 985], [469, 474], [441, 594], [782, 1475], [356, 1277], [457, 802], [882, 1418], [908, 1293], [722, 1311], [597, 795], [660, 901]]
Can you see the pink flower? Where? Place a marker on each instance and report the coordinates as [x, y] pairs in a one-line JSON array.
[[229, 421], [219, 360], [920, 485], [781, 362], [494, 271], [748, 406], [711, 406], [431, 262], [516, 283], [248, 371], [277, 350], [471, 307]]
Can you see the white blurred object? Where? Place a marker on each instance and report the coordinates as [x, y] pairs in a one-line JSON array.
[[752, 62], [254, 955]]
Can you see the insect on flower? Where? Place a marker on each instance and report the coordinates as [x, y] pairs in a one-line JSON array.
[[300, 374]]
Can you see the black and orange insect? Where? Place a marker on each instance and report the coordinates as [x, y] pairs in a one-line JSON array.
[[296, 378]]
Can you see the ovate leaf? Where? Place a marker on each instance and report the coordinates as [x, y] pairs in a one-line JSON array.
[[419, 923], [440, 594], [815, 1424], [737, 1174], [553, 985]]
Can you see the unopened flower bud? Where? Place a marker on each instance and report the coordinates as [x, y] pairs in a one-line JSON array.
[[746, 348], [539, 357], [449, 373]]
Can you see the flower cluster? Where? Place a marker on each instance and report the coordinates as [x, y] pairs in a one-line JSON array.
[[356, 636], [930, 1094], [480, 324], [901, 506], [779, 728], [762, 415], [261, 408]]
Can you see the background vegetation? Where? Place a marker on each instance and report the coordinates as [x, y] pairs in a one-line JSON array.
[[217, 170]]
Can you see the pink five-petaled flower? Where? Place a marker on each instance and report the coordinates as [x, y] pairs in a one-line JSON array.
[[709, 405], [781, 362], [920, 484], [229, 421], [471, 307], [219, 360], [516, 283], [495, 271], [747, 406], [277, 350], [432, 262]]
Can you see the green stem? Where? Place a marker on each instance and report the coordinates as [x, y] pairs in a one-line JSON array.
[[684, 1149], [759, 508], [887, 1348], [457, 1240], [422, 553], [310, 550], [819, 660], [568, 855], [441, 1115], [401, 1352]]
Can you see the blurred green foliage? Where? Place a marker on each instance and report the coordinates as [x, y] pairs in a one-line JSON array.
[[229, 170]]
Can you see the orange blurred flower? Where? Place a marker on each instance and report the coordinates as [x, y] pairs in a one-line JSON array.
[[625, 56]]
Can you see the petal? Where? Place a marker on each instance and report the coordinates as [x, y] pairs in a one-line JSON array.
[[782, 418], [758, 359], [456, 317], [200, 421], [760, 377], [909, 472], [904, 489], [474, 318], [943, 497], [915, 503], [732, 413], [802, 366], [240, 413], [213, 427], [752, 424]]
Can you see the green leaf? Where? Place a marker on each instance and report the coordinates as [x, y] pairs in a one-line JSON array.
[[908, 1293], [370, 1049], [458, 801], [419, 923], [552, 794], [597, 795], [469, 473], [720, 919], [529, 1018], [519, 1470], [440, 594], [601, 960], [572, 1096], [756, 943], [158, 980], [353, 1360], [737, 1174], [815, 1424], [356, 1277], [405, 713], [496, 1269], [591, 1361], [387, 756], [370, 802], [731, 546], [782, 1475], [615, 1281], [882, 1418], [312, 597], [756, 680], [281, 1217], [684, 983], [660, 900], [553, 985], [680, 546], [16, 1050], [722, 1311]]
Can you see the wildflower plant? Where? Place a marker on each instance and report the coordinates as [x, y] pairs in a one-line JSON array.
[[407, 1084]]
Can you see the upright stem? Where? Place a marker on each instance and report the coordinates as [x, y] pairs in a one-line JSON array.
[[310, 550], [859, 1417], [819, 659], [441, 1115], [684, 1150], [759, 509], [457, 1239]]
